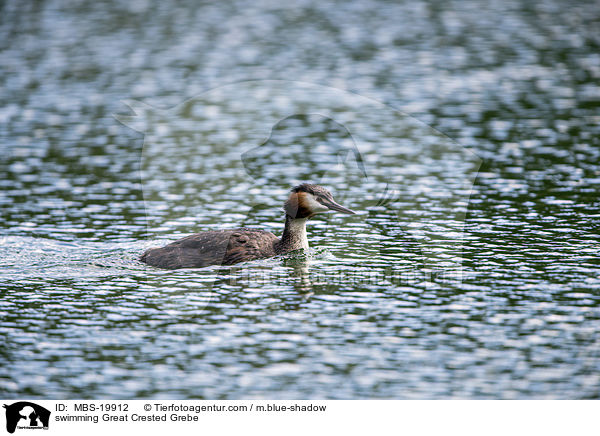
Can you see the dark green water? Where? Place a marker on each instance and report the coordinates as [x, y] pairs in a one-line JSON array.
[[466, 134]]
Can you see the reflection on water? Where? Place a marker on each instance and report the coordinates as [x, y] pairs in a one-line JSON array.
[[365, 314]]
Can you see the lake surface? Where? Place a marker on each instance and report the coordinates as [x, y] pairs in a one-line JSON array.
[[466, 135]]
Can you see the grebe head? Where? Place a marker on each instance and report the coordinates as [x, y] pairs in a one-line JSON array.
[[306, 200]]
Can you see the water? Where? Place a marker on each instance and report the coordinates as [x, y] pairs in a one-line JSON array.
[[471, 271]]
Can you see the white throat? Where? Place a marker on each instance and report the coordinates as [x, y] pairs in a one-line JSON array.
[[297, 233]]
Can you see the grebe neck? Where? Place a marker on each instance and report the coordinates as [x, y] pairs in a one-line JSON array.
[[294, 235]]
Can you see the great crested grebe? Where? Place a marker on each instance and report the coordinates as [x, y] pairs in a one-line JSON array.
[[226, 247]]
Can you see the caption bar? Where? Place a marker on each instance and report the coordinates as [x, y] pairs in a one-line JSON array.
[[267, 417]]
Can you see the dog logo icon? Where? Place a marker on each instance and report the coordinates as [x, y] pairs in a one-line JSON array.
[[26, 415]]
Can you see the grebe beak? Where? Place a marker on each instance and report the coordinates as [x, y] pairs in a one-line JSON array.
[[332, 205]]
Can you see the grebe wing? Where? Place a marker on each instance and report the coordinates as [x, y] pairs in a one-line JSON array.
[[249, 244], [221, 247]]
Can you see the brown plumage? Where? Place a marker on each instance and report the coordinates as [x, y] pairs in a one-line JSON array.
[[227, 247]]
